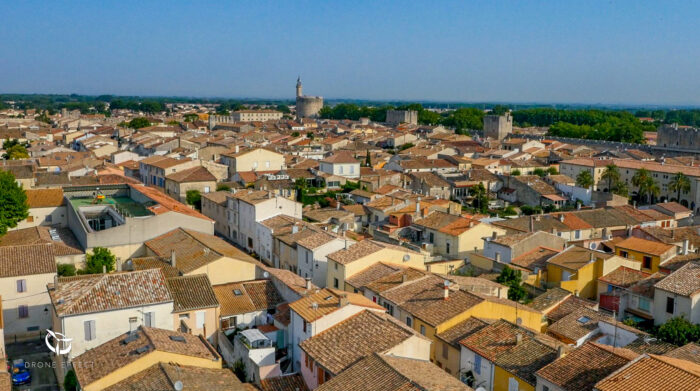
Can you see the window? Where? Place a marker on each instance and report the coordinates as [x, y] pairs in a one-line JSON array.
[[624, 254], [336, 283], [389, 308], [545, 388], [646, 262], [422, 330], [304, 326], [89, 326], [644, 304], [206, 189], [21, 286], [431, 237], [447, 248], [565, 275], [200, 320], [30, 219], [610, 288], [409, 321], [352, 169], [267, 164], [444, 351], [477, 364], [577, 234], [307, 257], [340, 170], [49, 218], [150, 319], [513, 384], [23, 311], [374, 299], [670, 304]]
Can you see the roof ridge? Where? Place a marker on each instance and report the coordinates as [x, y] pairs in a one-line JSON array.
[[188, 232]]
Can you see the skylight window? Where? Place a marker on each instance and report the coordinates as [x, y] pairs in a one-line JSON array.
[[584, 319], [237, 292]]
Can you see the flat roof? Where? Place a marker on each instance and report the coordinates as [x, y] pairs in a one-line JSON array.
[[123, 203]]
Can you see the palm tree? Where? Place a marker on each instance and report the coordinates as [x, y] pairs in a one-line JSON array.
[[620, 189], [646, 185], [584, 179], [610, 174], [679, 183], [639, 179]]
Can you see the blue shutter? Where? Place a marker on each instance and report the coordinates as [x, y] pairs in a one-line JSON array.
[[477, 364]]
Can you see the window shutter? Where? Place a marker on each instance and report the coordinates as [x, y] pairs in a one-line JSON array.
[[150, 319], [89, 330], [200, 319]]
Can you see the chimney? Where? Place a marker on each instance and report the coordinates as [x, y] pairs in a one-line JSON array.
[[404, 278], [634, 204], [498, 257], [629, 231], [578, 206], [446, 290], [104, 269], [418, 207], [494, 234], [686, 242], [236, 149], [295, 228], [576, 292], [518, 339], [560, 351], [532, 224], [561, 217], [119, 264], [343, 300], [55, 282], [592, 257], [308, 284], [173, 260]]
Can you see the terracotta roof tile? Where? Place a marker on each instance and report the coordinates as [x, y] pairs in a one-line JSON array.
[[651, 372], [162, 377], [26, 260], [337, 348], [684, 281], [191, 293], [327, 301], [293, 382], [44, 198], [388, 373], [114, 354], [244, 297], [105, 292], [644, 246]]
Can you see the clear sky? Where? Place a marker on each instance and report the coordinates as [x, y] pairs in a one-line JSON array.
[[473, 51]]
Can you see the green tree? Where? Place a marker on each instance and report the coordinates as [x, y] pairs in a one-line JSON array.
[[13, 202], [16, 152], [515, 172], [191, 117], [138, 123], [481, 197], [310, 135], [611, 174], [295, 134], [427, 117], [620, 188], [679, 331], [70, 381], [513, 280], [499, 110], [679, 183], [100, 259], [552, 171], [240, 371], [646, 186], [539, 172], [284, 109], [65, 269], [223, 187], [194, 198], [584, 179]]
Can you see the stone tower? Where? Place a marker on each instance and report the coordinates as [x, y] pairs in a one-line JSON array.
[[498, 126], [299, 88], [307, 106]]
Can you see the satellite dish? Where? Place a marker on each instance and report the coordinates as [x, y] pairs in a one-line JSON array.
[[481, 389], [266, 274], [406, 258], [519, 321], [178, 386]]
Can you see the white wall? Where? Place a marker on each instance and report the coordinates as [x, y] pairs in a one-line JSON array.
[[466, 363], [36, 298], [317, 268], [111, 324]]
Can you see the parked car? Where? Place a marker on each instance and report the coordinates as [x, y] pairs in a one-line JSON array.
[[20, 373]]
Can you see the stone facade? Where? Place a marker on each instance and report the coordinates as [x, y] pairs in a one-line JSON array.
[[307, 106], [678, 137], [402, 116], [498, 126]]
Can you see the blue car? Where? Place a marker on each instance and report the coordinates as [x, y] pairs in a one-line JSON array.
[[20, 373]]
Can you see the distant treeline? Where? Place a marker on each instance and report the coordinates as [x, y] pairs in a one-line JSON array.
[[98, 104]]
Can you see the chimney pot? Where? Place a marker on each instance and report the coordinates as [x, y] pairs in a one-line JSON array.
[[308, 284], [518, 339], [343, 300], [494, 234], [173, 259], [560, 351], [446, 290]]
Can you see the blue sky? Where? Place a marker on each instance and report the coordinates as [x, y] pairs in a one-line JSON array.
[[474, 51]]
